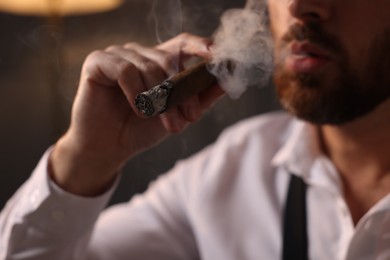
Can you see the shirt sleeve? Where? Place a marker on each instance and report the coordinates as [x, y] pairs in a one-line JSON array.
[[41, 221]]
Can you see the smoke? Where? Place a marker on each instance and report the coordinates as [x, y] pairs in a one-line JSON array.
[[242, 49], [168, 18]]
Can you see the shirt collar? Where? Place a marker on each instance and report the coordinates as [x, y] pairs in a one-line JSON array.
[[301, 155], [301, 149]]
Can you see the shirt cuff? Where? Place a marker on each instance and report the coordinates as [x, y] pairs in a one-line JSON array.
[[51, 209]]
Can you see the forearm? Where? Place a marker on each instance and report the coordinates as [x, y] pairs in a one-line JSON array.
[[41, 221]]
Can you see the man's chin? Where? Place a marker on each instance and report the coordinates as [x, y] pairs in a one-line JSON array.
[[313, 98], [334, 110], [321, 118]]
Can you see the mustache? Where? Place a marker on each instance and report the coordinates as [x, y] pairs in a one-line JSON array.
[[314, 33]]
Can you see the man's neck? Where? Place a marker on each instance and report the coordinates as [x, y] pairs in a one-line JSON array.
[[360, 151]]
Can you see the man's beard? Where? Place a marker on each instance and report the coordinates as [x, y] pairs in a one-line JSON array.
[[342, 95]]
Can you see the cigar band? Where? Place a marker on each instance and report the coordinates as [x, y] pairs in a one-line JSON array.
[[154, 101]]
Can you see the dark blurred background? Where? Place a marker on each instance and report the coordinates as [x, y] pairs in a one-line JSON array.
[[40, 64]]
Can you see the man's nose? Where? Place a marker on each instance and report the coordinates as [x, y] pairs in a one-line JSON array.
[[310, 10]]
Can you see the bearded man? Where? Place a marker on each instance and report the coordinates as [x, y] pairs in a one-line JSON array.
[[312, 183]]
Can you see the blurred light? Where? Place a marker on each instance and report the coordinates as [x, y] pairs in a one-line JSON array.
[[57, 7]]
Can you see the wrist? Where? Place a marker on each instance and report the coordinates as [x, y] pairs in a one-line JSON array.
[[79, 171]]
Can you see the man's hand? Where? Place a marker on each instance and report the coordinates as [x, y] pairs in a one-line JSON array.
[[106, 129]]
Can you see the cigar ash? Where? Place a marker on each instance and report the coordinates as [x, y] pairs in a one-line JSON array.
[[154, 101]]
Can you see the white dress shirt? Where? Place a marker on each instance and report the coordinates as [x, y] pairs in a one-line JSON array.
[[224, 203]]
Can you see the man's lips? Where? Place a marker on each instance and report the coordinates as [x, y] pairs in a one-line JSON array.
[[305, 57]]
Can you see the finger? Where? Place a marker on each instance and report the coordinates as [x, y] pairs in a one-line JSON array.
[[187, 45], [176, 119], [151, 72], [209, 96], [168, 61], [173, 120], [191, 109], [108, 70]]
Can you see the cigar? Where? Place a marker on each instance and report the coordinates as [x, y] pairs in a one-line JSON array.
[[175, 90]]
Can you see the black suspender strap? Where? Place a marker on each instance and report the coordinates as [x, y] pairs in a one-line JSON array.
[[295, 242]]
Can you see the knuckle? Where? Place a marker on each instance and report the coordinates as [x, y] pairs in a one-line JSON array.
[[131, 45], [94, 55], [126, 68], [113, 48], [169, 60], [92, 59], [150, 67], [184, 36]]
